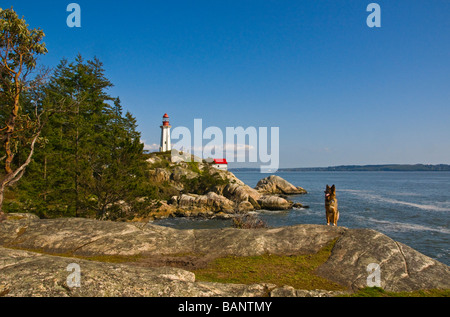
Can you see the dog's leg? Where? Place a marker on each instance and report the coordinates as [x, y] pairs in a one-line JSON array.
[[333, 219], [336, 218]]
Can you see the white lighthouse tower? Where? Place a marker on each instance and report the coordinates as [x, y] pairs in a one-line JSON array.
[[166, 144]]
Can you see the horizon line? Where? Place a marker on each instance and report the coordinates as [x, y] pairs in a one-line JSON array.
[[353, 166]]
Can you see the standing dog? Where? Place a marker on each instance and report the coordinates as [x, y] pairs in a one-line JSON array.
[[331, 205]]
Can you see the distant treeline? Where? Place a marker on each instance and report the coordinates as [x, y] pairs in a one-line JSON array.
[[363, 168]]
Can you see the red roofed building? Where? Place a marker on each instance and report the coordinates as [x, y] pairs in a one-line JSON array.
[[220, 164]]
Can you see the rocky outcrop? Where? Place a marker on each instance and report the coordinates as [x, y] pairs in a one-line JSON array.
[[274, 203], [208, 205], [240, 193], [88, 237], [277, 185], [245, 207], [229, 197], [179, 172], [233, 198], [402, 268], [160, 175], [253, 200]]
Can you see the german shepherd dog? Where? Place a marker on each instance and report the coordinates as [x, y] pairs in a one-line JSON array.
[[331, 205]]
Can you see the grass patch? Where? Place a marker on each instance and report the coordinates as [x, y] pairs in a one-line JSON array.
[[113, 258], [15, 217], [296, 271], [379, 292], [193, 166]]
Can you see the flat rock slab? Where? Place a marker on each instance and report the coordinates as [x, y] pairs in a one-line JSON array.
[[88, 237], [402, 268], [27, 274]]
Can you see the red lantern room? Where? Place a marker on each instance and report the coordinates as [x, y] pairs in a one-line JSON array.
[[166, 120]]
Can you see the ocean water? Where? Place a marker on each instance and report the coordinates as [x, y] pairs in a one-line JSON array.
[[410, 207]]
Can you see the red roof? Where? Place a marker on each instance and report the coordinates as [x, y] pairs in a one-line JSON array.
[[166, 116], [220, 161]]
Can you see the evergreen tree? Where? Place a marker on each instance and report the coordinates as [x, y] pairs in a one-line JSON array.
[[92, 163]]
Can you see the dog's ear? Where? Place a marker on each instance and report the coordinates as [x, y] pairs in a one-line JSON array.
[[333, 188], [328, 187]]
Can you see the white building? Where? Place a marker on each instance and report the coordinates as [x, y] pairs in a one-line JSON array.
[[166, 144], [220, 164]]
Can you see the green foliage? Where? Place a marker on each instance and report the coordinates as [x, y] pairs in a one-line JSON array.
[[160, 164], [21, 112], [193, 166], [20, 48], [164, 191], [370, 292], [164, 155], [206, 181], [20, 44], [91, 162]]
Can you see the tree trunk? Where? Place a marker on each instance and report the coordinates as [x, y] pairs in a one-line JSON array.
[[45, 178], [10, 130], [2, 195], [15, 176], [77, 204]]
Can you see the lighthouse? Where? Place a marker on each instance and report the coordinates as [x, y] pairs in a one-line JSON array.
[[166, 144]]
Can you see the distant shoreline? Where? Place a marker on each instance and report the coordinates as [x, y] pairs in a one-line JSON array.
[[361, 168]]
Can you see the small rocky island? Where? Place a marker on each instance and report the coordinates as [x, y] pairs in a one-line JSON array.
[[202, 191]]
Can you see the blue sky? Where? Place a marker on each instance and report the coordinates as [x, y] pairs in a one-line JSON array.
[[341, 92]]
